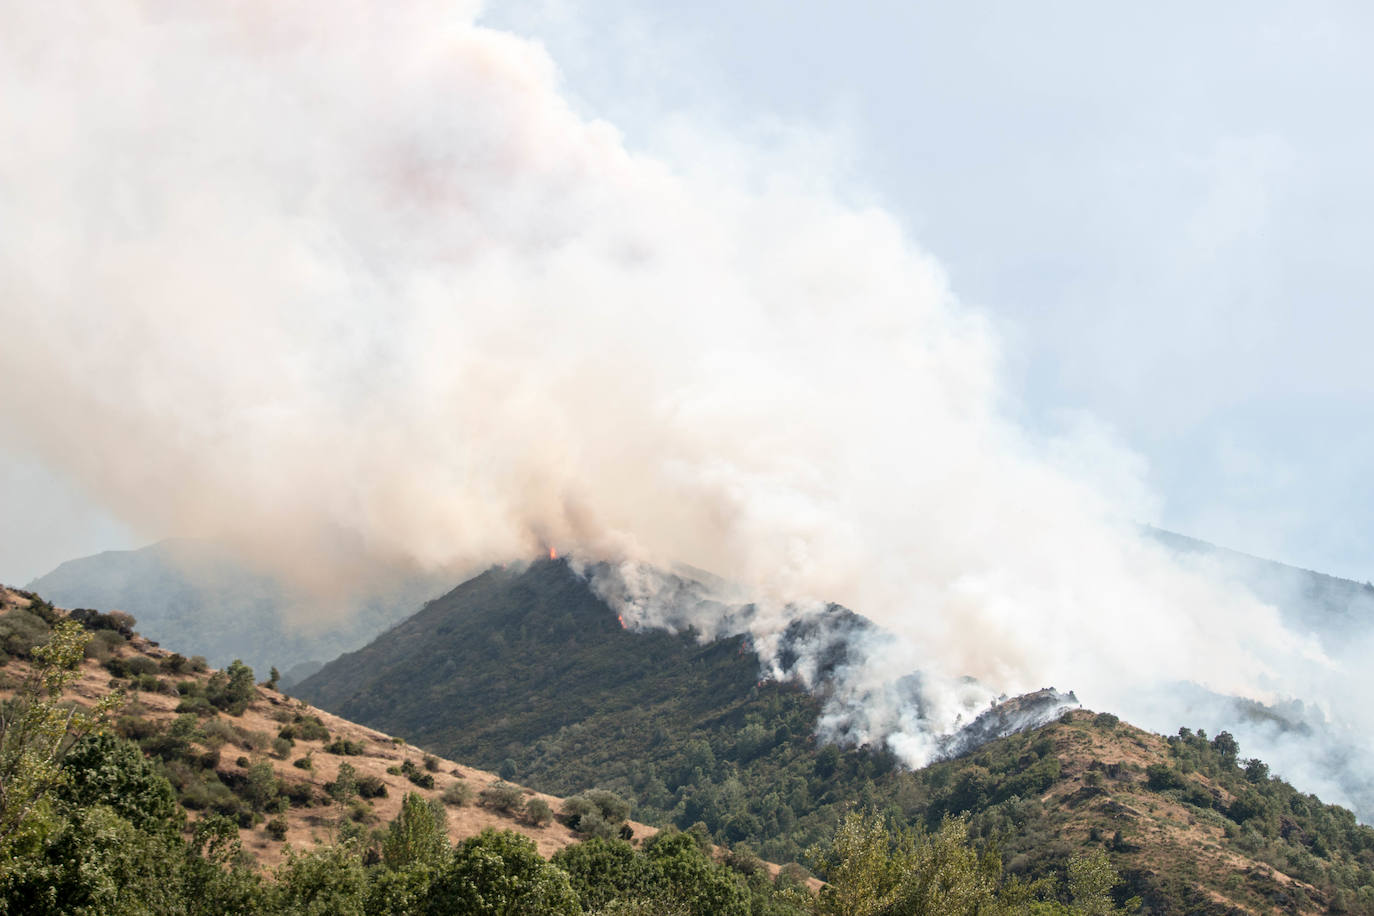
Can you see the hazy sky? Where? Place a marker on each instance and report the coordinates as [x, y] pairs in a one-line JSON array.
[[1165, 208]]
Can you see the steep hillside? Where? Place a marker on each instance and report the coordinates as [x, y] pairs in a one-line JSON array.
[[270, 762], [530, 673], [1191, 825], [196, 595]]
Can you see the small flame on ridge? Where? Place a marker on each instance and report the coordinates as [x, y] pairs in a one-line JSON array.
[[553, 554]]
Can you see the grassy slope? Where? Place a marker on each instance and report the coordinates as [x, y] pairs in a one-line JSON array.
[[154, 713]]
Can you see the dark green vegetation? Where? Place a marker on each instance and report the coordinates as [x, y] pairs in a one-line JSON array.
[[89, 823], [687, 732], [196, 594]]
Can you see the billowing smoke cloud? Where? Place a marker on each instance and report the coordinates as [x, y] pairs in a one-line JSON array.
[[351, 284]]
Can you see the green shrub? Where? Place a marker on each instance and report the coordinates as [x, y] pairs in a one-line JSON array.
[[21, 631], [345, 748], [371, 787], [457, 793], [1161, 776], [136, 728], [200, 706], [416, 775], [117, 621], [538, 812], [232, 689], [176, 663], [216, 732], [607, 805], [104, 644], [503, 797], [142, 664], [304, 728], [276, 828], [299, 794], [253, 740], [148, 682]]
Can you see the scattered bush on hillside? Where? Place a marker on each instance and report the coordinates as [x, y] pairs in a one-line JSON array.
[[371, 787], [502, 797], [104, 644], [276, 828], [345, 748], [93, 620], [300, 794], [537, 812], [304, 728], [176, 663], [416, 775], [457, 794], [196, 705], [21, 631], [231, 689]]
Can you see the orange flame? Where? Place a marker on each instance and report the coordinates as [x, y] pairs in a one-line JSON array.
[[621, 620], [553, 554]]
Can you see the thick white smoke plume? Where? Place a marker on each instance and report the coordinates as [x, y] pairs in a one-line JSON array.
[[346, 281]]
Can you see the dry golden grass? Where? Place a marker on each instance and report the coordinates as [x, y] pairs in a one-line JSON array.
[[307, 826]]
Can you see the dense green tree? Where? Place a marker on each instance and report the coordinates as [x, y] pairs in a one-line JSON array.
[[107, 770], [602, 870], [417, 836], [703, 886], [37, 730], [231, 689], [501, 874], [327, 881]]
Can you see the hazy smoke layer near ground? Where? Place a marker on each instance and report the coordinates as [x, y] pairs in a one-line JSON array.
[[350, 284], [196, 597]]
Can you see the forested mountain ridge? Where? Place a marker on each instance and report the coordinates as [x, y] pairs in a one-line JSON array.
[[528, 672]]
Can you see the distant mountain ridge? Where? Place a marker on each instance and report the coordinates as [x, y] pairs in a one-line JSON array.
[[1307, 598], [197, 595]]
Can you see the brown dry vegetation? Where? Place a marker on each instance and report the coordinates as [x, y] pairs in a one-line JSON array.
[[1161, 837], [319, 823]]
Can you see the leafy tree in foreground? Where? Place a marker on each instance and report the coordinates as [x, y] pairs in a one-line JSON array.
[[36, 730], [501, 874], [875, 869], [105, 770], [417, 836]]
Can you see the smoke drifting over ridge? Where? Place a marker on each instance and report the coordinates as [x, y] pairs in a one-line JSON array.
[[352, 285]]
